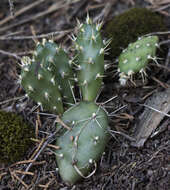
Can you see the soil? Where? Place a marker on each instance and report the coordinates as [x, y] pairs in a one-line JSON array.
[[122, 166]]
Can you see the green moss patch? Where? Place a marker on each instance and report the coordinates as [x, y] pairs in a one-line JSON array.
[[15, 137]]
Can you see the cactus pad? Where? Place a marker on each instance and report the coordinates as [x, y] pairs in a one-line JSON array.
[[41, 86], [83, 145], [55, 59], [136, 57], [90, 59]]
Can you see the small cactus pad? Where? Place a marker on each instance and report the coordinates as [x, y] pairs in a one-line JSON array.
[[83, 145], [136, 57], [90, 58], [55, 59], [40, 85]]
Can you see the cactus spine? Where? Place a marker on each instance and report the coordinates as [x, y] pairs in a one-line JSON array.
[[135, 58]]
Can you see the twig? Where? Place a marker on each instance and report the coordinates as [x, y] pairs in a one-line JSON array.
[[158, 33], [10, 54], [160, 82], [20, 180], [162, 8], [167, 59], [38, 148], [22, 162], [11, 5], [51, 9], [123, 134], [35, 37], [164, 42], [154, 109], [22, 172], [21, 11], [49, 139], [12, 99], [58, 120], [49, 145], [104, 13]]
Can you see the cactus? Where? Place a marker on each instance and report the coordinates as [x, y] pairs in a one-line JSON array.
[[135, 58], [90, 59], [56, 60], [83, 145], [41, 86], [47, 77]]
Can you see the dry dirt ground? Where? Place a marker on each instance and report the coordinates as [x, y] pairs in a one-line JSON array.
[[145, 166]]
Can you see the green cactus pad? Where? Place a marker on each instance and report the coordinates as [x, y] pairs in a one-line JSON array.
[[137, 55], [41, 86], [90, 59], [56, 60], [83, 145]]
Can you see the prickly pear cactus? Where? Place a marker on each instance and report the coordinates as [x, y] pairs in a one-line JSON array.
[[135, 58], [48, 77], [83, 145], [55, 59], [40, 85], [90, 59]]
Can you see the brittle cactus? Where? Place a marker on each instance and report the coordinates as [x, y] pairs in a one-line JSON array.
[[90, 59], [135, 58], [82, 146]]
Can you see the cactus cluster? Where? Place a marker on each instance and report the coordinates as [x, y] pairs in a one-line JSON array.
[[49, 80], [136, 56]]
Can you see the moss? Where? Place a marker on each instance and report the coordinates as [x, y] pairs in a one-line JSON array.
[[14, 137], [128, 26]]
